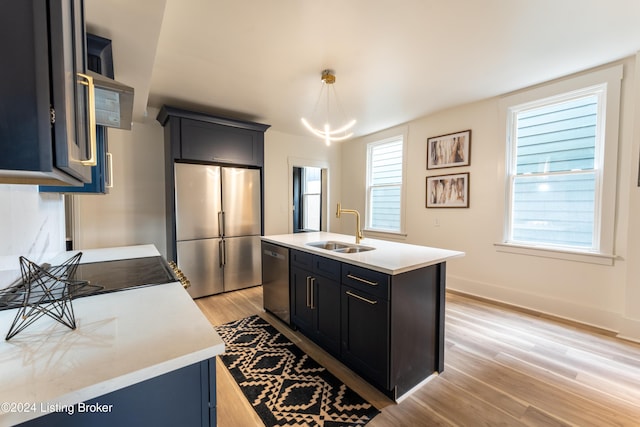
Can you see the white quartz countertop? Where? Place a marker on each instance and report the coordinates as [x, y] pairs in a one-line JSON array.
[[121, 338], [108, 254], [387, 257], [12, 275]]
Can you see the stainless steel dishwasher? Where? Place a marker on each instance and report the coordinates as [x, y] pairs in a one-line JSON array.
[[275, 280]]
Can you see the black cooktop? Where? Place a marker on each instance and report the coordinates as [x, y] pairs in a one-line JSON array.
[[109, 276], [126, 273]]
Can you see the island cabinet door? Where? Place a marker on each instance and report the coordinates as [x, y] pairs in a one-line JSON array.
[[365, 335], [326, 306], [301, 312]]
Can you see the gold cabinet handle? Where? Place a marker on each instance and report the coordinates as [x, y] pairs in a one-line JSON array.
[[351, 294], [109, 171], [351, 276], [308, 291], [313, 284], [88, 81]]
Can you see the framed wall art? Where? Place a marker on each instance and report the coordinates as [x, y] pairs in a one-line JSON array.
[[448, 191], [447, 151]]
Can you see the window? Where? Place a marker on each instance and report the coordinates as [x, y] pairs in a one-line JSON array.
[[384, 185], [555, 168], [561, 167]]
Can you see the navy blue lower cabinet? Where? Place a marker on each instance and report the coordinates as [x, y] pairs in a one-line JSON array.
[[315, 296], [365, 335], [390, 328], [326, 303], [184, 397], [301, 313]]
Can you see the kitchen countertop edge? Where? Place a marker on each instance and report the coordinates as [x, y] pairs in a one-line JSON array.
[[389, 257], [135, 309]]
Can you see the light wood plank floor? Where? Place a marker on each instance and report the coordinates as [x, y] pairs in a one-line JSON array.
[[502, 367]]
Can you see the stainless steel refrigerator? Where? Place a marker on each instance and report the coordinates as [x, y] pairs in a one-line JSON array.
[[218, 227]]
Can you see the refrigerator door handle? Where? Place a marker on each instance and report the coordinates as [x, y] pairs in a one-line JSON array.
[[224, 225], [221, 223], [222, 256], [224, 253]]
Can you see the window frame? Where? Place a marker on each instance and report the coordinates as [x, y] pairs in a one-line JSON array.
[[605, 166], [304, 194], [327, 174], [598, 91], [388, 138]]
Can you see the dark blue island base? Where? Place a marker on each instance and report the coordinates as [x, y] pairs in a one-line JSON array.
[[387, 328], [184, 397]]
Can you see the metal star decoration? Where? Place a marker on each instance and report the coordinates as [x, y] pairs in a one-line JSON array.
[[47, 292]]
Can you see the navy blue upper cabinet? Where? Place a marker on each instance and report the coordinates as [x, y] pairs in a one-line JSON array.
[[221, 144], [204, 138], [45, 132], [99, 60]]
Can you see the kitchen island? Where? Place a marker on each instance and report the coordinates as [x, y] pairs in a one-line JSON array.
[[377, 306], [388, 257], [137, 356]]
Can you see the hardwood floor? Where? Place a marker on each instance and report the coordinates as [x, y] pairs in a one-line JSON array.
[[502, 367]]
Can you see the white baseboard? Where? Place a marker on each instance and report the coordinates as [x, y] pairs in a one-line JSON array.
[[625, 328], [630, 329]]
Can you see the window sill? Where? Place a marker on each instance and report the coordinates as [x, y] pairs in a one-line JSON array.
[[385, 234], [562, 254]]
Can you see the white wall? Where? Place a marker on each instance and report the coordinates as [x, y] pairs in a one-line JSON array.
[[281, 152], [630, 326], [133, 211], [31, 225], [606, 296]]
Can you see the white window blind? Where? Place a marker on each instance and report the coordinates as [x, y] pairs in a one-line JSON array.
[[555, 171], [384, 185]]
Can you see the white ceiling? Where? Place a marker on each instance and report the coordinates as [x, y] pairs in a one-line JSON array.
[[394, 60]]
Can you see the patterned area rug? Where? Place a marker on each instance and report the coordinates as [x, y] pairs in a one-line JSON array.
[[283, 384]]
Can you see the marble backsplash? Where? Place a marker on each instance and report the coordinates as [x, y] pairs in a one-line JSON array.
[[32, 225]]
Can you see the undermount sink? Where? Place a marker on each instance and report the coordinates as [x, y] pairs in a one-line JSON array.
[[354, 249], [341, 247], [329, 245]]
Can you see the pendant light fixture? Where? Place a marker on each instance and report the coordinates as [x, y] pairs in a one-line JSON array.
[[333, 112]]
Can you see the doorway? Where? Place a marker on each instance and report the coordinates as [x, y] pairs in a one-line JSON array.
[[309, 198]]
